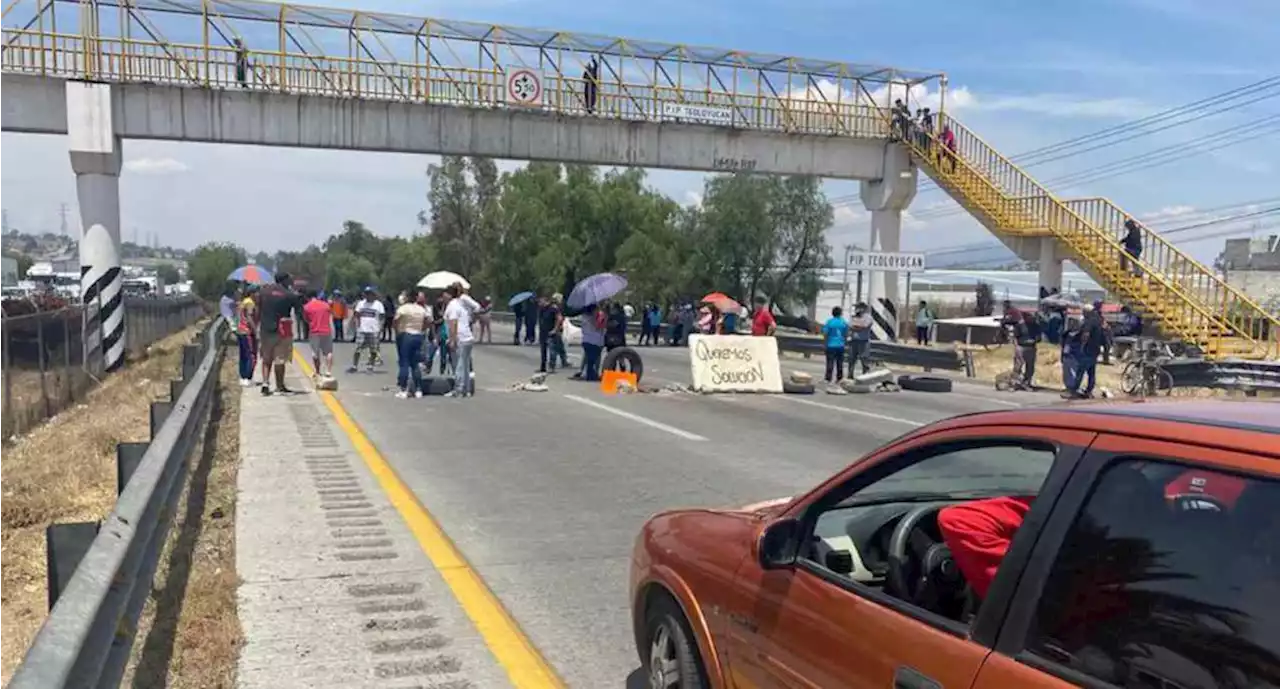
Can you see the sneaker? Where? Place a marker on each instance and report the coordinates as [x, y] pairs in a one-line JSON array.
[[246, 383], [283, 390], [402, 395], [265, 390], [417, 393], [352, 369]]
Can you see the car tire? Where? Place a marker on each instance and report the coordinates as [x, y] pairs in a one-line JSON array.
[[668, 637], [925, 383], [791, 388], [624, 359], [437, 385]]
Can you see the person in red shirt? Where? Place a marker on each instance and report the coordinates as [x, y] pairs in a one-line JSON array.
[[978, 533], [762, 322], [319, 317]]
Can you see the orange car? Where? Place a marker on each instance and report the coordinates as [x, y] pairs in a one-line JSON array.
[[1149, 556]]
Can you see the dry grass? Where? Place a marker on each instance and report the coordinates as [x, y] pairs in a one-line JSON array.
[[64, 470], [189, 634]]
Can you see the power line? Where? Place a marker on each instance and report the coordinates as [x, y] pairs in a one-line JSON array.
[[1195, 107], [1151, 159]]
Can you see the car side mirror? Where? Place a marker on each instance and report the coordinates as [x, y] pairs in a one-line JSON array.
[[839, 561], [779, 543]]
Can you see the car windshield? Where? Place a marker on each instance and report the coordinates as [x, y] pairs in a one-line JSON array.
[[969, 473]]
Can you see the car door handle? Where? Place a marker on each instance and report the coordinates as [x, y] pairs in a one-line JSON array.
[[911, 678]]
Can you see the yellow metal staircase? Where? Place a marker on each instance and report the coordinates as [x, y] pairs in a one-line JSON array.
[[1185, 298]]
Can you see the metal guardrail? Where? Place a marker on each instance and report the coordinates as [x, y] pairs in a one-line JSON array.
[[1227, 374], [87, 638], [928, 358]]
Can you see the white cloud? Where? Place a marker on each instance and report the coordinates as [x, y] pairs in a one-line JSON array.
[[156, 166], [693, 198], [1168, 213]]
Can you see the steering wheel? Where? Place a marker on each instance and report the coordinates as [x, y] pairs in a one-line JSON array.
[[918, 564]]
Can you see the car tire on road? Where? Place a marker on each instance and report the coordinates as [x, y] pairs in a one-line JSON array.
[[925, 383], [669, 639], [624, 359], [791, 388], [437, 385]]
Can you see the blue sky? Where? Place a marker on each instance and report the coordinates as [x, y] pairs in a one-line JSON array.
[[1022, 74]]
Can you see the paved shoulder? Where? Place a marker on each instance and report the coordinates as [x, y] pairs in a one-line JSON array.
[[335, 590]]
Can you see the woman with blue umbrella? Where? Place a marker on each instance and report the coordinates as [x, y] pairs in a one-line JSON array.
[[588, 296], [524, 310]]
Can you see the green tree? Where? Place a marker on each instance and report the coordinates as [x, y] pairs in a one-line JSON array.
[[407, 261], [308, 264], [209, 266], [168, 274], [801, 215], [349, 272], [453, 216]]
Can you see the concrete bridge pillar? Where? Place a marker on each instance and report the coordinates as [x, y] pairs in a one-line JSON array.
[[95, 158], [886, 198], [1050, 264]]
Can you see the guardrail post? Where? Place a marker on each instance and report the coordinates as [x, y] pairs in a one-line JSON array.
[[968, 363], [65, 546], [191, 356], [175, 388], [128, 457], [159, 412]]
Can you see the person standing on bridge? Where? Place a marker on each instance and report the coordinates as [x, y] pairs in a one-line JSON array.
[[242, 63], [590, 85], [948, 151], [1132, 247]]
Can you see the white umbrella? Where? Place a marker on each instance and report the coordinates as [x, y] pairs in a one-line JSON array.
[[443, 279]]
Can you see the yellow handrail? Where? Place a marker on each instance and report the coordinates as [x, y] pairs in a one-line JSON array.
[[1197, 288]]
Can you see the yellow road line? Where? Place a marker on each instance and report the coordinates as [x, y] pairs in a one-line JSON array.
[[525, 666]]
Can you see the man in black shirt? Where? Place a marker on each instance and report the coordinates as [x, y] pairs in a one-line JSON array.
[[276, 304], [1091, 335]]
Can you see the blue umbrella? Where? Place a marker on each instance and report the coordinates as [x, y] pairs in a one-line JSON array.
[[520, 298], [251, 273], [596, 289]]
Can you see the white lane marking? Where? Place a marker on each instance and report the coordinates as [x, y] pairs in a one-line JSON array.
[[849, 410], [637, 418], [984, 398]]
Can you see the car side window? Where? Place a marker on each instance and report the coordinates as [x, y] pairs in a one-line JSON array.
[[1168, 577], [887, 534]]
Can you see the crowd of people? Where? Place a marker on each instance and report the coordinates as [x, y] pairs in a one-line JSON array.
[[1084, 339], [268, 319]]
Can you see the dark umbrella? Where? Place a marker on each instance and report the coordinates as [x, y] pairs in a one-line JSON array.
[[596, 289]]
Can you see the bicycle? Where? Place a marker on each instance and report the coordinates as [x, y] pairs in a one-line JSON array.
[[1145, 376]]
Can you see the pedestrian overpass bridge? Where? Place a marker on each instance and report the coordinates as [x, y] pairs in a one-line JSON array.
[[252, 72]]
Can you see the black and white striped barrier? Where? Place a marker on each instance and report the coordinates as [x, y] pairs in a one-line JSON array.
[[884, 320]]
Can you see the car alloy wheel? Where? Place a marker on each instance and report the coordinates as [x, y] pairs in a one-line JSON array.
[[664, 661]]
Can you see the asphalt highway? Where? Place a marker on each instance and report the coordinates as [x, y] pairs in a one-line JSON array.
[[544, 492]]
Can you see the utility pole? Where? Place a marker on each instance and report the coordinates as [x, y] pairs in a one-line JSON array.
[[844, 292], [4, 221], [63, 209]]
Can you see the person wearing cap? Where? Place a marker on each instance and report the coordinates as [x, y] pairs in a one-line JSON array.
[[370, 315]]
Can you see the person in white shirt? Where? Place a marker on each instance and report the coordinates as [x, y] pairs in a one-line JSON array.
[[369, 315], [411, 322], [458, 314]]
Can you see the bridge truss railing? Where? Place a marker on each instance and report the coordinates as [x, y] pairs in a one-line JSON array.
[[318, 51]]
